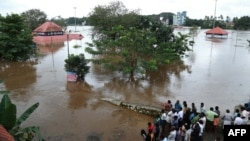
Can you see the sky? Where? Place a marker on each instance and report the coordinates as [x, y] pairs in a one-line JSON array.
[[196, 9]]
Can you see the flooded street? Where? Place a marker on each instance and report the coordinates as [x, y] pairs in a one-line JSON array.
[[216, 72]]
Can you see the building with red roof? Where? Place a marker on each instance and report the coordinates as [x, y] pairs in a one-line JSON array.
[[217, 31], [48, 29], [51, 33]]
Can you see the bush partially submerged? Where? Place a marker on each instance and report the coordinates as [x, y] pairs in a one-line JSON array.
[[77, 64]]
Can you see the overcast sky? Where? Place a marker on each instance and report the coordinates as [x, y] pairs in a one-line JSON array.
[[196, 9]]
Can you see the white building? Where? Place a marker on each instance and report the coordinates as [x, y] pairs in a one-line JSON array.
[[180, 18]]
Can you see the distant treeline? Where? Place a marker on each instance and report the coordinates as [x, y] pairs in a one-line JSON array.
[[242, 23], [84, 20]]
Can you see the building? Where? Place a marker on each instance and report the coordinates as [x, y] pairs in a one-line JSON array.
[[50, 33], [180, 18], [48, 29]]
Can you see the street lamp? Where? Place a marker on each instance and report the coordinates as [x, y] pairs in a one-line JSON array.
[[75, 18], [51, 41]]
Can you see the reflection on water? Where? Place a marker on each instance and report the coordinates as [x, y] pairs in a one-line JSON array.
[[50, 48], [215, 72], [18, 76], [78, 94]]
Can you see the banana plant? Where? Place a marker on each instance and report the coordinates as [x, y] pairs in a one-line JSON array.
[[7, 112], [9, 120]]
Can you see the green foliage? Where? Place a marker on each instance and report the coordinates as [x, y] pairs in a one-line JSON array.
[[12, 124], [207, 22], [34, 18], [103, 18], [124, 53], [27, 134], [15, 39], [242, 23], [194, 22], [77, 64], [138, 50], [139, 46], [7, 112], [211, 21], [25, 115], [77, 46]]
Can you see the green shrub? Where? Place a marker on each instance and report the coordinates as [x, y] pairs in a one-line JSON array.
[[77, 64]]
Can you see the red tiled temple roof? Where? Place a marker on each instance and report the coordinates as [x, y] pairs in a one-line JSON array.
[[217, 31], [47, 27]]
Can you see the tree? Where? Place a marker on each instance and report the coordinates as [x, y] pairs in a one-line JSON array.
[[193, 22], [127, 53], [103, 18], [140, 46], [221, 17], [15, 39], [34, 18], [228, 19], [242, 23]]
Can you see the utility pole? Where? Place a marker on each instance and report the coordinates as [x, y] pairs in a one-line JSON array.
[[214, 16], [51, 41], [214, 13], [75, 18]]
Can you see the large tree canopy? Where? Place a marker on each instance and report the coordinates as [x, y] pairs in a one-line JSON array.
[[15, 38], [130, 43], [34, 18], [103, 18]]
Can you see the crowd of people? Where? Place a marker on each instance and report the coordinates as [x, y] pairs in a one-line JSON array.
[[181, 122]]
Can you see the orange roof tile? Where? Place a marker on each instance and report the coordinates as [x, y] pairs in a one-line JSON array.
[[217, 30], [47, 27]]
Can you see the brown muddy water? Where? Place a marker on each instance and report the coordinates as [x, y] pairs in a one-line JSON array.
[[216, 72]]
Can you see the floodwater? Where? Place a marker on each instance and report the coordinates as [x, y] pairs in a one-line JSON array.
[[216, 72]]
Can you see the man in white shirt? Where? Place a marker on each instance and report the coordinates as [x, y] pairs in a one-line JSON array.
[[172, 134], [202, 108], [203, 118], [200, 122], [163, 121], [238, 120], [245, 114], [180, 114]]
